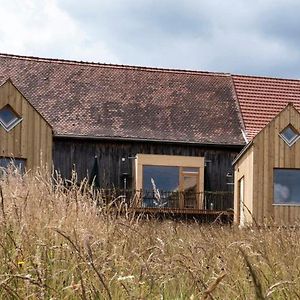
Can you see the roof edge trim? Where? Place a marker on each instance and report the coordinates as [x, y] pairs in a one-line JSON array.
[[90, 137], [115, 66], [244, 150]]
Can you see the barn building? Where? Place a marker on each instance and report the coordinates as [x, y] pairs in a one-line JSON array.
[[173, 133]]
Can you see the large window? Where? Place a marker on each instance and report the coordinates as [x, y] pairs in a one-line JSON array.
[[170, 181], [165, 178], [167, 185], [287, 186], [160, 186]]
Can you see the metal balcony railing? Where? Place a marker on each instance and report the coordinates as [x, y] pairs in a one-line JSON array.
[[213, 201]]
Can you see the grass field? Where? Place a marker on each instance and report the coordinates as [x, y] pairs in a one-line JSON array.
[[58, 244]]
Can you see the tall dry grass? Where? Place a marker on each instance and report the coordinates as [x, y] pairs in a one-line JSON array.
[[56, 243]]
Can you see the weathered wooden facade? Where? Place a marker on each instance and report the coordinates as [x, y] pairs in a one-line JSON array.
[[267, 173], [116, 160], [25, 136]]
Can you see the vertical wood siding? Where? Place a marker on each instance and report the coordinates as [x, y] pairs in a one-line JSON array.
[[269, 152], [32, 138], [244, 169]]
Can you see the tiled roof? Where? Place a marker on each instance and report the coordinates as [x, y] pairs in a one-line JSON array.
[[110, 101], [262, 98]]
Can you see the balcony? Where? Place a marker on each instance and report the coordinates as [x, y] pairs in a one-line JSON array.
[[166, 202]]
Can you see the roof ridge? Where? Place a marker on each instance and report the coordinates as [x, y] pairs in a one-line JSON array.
[[266, 77], [116, 66], [239, 111]]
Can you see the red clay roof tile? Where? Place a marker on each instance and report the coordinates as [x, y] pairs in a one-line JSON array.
[[262, 98]]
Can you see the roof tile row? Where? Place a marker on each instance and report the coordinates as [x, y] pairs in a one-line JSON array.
[[100, 100]]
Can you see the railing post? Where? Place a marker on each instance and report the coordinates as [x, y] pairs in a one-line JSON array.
[[200, 200], [181, 200], [139, 198]]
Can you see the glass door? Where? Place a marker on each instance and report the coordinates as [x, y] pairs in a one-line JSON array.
[[190, 187]]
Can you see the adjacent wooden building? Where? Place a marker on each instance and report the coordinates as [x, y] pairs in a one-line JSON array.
[[267, 173], [25, 136]]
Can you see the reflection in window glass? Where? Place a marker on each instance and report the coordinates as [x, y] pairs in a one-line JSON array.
[[289, 135], [286, 186], [8, 118], [160, 186], [165, 178]]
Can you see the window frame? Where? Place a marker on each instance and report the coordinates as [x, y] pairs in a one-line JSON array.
[[294, 140], [171, 161], [13, 124], [14, 159]]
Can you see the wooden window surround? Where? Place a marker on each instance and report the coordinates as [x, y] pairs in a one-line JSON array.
[[9, 118], [7, 162], [286, 189], [290, 135], [190, 172]]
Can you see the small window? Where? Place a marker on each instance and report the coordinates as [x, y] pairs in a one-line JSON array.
[[7, 162], [8, 118], [286, 186], [289, 134]]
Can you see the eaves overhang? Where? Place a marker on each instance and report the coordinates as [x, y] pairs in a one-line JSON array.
[[133, 139]]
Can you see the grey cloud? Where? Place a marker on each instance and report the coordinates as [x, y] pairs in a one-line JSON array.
[[282, 22], [136, 19], [258, 37]]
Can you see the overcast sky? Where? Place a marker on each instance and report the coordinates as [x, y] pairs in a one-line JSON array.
[[255, 37]]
